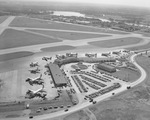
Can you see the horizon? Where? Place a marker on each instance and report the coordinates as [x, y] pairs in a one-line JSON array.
[[130, 3]]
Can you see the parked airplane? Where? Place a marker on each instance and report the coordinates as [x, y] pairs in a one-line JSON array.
[[106, 54], [46, 58], [71, 54], [34, 64], [37, 80], [38, 93], [60, 56], [127, 51], [91, 54], [37, 70], [116, 52]]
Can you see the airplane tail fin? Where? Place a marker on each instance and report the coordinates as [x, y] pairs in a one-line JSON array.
[[42, 86], [40, 75]]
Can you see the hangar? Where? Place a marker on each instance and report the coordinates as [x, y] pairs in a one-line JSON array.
[[57, 76]]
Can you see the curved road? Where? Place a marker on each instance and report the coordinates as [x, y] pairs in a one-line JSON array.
[[36, 48], [98, 99]]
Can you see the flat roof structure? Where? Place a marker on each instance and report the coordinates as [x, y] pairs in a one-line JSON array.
[[57, 75]]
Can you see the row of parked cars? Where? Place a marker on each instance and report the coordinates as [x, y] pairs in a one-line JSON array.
[[92, 81], [50, 108], [98, 77], [103, 91], [104, 79], [91, 85], [108, 77], [79, 84]]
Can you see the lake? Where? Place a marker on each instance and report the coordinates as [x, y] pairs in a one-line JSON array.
[[67, 13]]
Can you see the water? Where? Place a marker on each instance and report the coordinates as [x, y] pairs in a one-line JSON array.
[[67, 13], [76, 14]]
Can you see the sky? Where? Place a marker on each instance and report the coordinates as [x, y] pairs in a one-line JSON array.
[[140, 3]]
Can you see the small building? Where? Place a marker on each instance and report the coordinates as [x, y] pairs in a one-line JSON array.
[[57, 76], [106, 67], [96, 60]]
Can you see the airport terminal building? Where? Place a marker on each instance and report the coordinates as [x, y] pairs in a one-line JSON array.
[[57, 76]]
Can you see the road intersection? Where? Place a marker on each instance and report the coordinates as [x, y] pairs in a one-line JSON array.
[[85, 104], [74, 43], [37, 48]]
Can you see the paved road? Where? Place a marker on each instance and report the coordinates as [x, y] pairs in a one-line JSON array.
[[60, 30], [98, 99], [4, 25], [75, 43], [36, 48]]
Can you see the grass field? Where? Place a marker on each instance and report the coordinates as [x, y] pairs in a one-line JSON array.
[[15, 55], [146, 34], [129, 105], [13, 38], [58, 48], [80, 115], [145, 63], [9, 87], [32, 23], [147, 46], [116, 42], [127, 74], [121, 109], [3, 18], [143, 33], [69, 35]]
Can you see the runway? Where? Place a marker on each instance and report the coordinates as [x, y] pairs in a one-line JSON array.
[[37, 48], [74, 43]]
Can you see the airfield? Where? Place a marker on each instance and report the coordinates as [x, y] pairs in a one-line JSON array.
[[25, 40]]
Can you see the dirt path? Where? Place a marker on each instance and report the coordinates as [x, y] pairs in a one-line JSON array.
[[90, 114]]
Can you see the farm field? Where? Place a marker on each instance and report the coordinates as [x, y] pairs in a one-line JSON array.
[[3, 18], [58, 48], [116, 42], [15, 55], [69, 35], [33, 23], [12, 38]]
